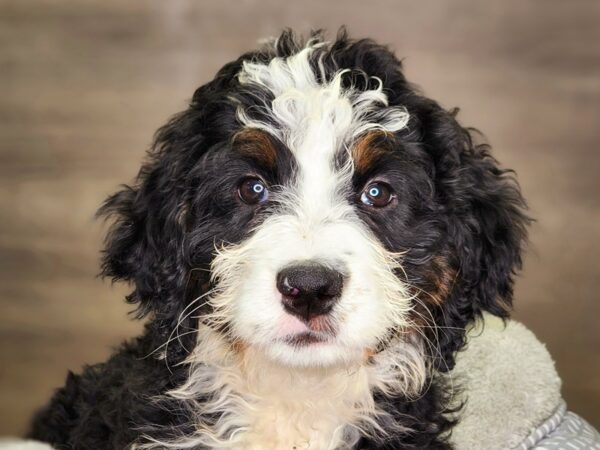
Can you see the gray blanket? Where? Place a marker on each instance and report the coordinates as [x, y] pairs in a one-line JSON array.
[[563, 430], [512, 394]]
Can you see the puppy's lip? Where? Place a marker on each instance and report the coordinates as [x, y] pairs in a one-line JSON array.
[[307, 338], [318, 330], [324, 324]]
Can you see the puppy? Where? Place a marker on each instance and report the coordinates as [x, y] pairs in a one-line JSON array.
[[308, 241]]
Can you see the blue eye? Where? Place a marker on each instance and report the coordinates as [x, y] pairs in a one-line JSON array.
[[253, 191], [377, 195], [374, 191]]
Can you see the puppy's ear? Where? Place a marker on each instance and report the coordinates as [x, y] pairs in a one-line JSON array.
[[145, 244], [485, 225], [486, 220], [151, 241]]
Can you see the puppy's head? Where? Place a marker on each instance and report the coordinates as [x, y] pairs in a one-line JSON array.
[[311, 204]]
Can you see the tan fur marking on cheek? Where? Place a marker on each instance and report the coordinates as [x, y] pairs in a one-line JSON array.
[[442, 278], [256, 144], [368, 149], [440, 282], [445, 280]]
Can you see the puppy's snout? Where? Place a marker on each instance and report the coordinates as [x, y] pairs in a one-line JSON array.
[[309, 289]]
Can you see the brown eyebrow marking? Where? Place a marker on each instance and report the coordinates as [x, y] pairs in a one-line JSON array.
[[370, 147], [256, 144]]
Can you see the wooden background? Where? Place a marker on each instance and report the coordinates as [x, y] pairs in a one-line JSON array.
[[84, 84]]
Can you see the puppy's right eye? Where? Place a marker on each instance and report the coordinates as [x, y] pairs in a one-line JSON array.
[[253, 191], [377, 195]]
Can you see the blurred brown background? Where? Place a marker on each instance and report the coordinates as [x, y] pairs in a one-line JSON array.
[[84, 84]]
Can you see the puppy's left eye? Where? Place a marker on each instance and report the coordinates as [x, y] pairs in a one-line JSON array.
[[253, 191], [377, 195]]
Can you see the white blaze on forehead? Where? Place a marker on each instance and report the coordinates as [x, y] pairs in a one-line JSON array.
[[302, 106], [316, 120]]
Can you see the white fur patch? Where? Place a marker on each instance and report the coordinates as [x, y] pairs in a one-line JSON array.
[[263, 405]]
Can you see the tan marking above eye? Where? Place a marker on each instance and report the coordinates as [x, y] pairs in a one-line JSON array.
[[256, 144], [368, 148]]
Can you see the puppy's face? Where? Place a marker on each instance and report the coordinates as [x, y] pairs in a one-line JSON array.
[[312, 281], [333, 208]]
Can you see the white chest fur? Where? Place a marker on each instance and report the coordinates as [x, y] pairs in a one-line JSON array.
[[262, 405], [304, 410]]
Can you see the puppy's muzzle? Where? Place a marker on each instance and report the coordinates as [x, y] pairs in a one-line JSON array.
[[309, 289]]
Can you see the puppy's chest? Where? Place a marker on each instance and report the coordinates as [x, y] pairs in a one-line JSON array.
[[281, 411], [306, 424]]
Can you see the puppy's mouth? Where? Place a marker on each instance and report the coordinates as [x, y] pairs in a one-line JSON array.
[[305, 339], [318, 330]]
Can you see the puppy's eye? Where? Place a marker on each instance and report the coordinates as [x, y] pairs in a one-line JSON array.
[[377, 195], [253, 191]]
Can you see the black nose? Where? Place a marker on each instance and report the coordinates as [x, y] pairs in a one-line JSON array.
[[309, 289]]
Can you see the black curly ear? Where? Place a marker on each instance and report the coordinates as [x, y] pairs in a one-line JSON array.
[[486, 220], [151, 243], [137, 249], [485, 227], [145, 244]]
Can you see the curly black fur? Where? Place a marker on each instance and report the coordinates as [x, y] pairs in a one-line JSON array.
[[461, 224]]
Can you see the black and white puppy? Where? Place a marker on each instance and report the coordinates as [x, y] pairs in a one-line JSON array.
[[308, 240]]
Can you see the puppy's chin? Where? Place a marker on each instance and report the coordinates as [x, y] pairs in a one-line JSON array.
[[310, 344], [310, 351]]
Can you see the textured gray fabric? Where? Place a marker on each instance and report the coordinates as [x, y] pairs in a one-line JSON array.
[[509, 382], [563, 430], [512, 394]]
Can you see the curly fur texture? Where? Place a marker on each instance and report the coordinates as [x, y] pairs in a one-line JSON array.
[[316, 121]]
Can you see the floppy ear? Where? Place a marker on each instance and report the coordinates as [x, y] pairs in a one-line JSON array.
[[146, 242], [485, 225], [486, 222], [154, 242]]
